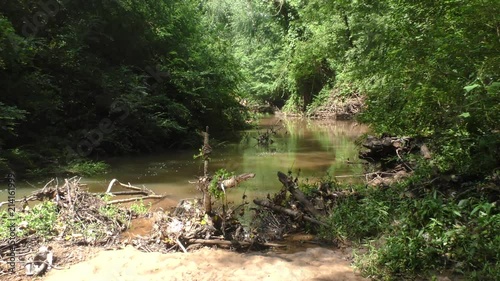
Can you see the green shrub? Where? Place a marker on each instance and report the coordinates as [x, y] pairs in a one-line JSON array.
[[87, 167], [434, 233], [39, 220]]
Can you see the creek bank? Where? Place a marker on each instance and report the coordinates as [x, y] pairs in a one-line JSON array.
[[72, 216], [211, 264], [389, 157], [339, 107]]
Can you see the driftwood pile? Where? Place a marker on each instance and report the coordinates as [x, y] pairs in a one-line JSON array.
[[290, 209], [391, 155], [387, 148], [82, 218], [188, 227], [195, 222]]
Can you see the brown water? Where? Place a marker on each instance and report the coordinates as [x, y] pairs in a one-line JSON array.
[[308, 148]]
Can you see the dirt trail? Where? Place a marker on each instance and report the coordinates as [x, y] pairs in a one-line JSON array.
[[210, 264]]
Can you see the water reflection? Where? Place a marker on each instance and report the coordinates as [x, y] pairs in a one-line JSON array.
[[309, 148]]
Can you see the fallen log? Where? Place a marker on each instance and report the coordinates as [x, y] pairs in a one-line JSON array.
[[291, 186], [380, 148], [235, 180], [292, 213]]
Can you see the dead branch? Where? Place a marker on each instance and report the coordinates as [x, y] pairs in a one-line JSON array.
[[293, 189], [152, 196], [180, 245], [130, 193], [206, 150], [128, 186], [235, 180], [292, 213]]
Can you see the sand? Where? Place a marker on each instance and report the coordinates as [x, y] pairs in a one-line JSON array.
[[210, 264]]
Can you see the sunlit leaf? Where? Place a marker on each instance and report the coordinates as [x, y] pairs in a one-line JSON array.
[[471, 87]]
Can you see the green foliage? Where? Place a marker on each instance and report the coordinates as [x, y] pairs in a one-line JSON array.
[[112, 77], [434, 234], [409, 237], [111, 211], [39, 220], [245, 24], [438, 81], [140, 208], [214, 188], [354, 219], [87, 168], [428, 69], [9, 117]]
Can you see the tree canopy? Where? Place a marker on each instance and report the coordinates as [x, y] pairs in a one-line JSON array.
[[429, 69], [89, 79], [153, 72], [110, 77]]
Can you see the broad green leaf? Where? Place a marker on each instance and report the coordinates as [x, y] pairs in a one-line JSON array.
[[471, 87]]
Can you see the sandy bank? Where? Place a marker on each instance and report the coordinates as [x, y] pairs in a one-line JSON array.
[[209, 264]]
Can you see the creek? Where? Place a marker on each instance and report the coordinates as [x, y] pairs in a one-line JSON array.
[[309, 149]]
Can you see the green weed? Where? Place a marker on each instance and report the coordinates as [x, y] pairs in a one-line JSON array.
[[140, 208], [40, 220]]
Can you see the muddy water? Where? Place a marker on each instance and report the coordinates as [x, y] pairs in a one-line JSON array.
[[307, 148]]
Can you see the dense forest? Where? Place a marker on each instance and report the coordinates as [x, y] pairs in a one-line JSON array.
[[82, 80], [86, 79], [97, 78]]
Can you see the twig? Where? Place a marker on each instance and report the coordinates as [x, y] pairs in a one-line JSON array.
[[180, 245], [129, 186], [129, 193], [399, 156], [47, 184], [110, 185]]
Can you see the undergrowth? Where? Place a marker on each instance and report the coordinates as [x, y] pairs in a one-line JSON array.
[[422, 236], [44, 220], [40, 219]]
